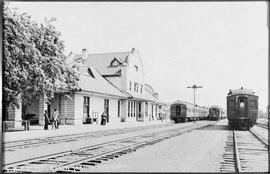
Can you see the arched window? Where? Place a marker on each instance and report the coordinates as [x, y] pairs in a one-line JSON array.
[[242, 105]]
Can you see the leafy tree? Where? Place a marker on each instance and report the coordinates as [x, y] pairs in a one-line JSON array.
[[34, 60]]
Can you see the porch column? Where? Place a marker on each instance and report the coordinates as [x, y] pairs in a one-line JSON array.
[[135, 111], [142, 111], [124, 109], [128, 113]]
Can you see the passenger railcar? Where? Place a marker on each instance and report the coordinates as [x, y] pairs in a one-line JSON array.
[[242, 108], [215, 113], [178, 112], [183, 111]]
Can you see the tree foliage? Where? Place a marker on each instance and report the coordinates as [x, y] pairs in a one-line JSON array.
[[34, 60]]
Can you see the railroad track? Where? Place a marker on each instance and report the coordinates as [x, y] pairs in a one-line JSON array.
[[262, 125], [245, 151], [82, 159], [12, 146]]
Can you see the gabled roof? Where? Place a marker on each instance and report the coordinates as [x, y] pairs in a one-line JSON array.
[[97, 84], [146, 95], [102, 62], [116, 59]]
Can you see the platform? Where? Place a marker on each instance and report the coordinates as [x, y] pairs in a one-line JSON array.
[[39, 132]]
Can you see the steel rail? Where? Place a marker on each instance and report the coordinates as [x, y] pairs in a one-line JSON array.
[[64, 152], [63, 138], [262, 125], [134, 146], [256, 135], [82, 148], [236, 153]]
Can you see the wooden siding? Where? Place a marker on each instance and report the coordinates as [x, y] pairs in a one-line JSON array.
[[67, 109]]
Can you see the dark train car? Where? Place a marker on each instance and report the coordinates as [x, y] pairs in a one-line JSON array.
[[182, 111], [215, 113], [178, 112], [242, 108]]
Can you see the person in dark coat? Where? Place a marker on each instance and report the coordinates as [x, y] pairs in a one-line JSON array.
[[103, 119], [55, 119], [47, 120]]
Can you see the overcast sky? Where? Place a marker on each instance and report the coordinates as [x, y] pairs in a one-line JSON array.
[[219, 45]]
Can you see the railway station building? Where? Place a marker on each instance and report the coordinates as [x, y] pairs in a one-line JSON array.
[[125, 71], [85, 105], [112, 83]]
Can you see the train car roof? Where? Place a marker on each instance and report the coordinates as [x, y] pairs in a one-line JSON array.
[[180, 102], [241, 91], [188, 104], [215, 106]]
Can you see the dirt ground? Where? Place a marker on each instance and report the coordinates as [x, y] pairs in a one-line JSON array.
[[197, 151]]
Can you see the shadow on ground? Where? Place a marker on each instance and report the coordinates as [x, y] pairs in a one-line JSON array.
[[217, 127]]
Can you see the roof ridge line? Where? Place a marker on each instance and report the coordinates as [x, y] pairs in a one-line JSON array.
[[108, 53]]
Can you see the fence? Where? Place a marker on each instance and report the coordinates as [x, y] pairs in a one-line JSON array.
[[12, 125], [95, 118]]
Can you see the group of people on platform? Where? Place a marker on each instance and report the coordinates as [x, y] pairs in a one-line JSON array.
[[55, 120]]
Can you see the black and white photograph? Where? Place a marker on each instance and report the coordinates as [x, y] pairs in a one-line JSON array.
[[124, 86]]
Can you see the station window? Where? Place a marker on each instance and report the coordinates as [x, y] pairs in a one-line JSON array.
[[86, 101], [128, 109], [130, 85], [141, 88], [118, 108], [136, 87]]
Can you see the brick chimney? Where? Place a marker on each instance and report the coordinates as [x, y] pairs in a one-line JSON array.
[[84, 53], [155, 95]]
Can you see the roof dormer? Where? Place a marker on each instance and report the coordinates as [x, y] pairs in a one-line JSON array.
[[115, 62]]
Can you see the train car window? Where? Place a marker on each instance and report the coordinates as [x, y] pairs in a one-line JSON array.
[[231, 104], [183, 109], [178, 109], [242, 103], [252, 104]]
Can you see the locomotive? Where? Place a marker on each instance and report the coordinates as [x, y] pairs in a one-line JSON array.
[[183, 111], [215, 113], [242, 108]]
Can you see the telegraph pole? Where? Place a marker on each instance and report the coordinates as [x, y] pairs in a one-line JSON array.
[[268, 107], [194, 87]]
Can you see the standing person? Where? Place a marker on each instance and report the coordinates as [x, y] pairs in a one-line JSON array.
[[103, 119], [47, 120], [55, 119], [58, 120]]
